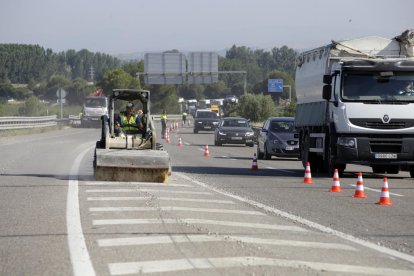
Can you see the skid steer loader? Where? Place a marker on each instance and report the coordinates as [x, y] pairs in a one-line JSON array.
[[126, 155]]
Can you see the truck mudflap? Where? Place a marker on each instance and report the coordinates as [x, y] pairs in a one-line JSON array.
[[132, 165]]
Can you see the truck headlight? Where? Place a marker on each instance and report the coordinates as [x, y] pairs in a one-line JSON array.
[[249, 133], [222, 133], [215, 123], [347, 142]]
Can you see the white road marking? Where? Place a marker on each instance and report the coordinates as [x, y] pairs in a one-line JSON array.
[[187, 144], [375, 190], [145, 190], [211, 263], [169, 239], [306, 222], [197, 221], [174, 208], [116, 198], [117, 184], [282, 170], [79, 255]]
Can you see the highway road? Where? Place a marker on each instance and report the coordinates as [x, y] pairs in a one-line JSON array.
[[215, 216]]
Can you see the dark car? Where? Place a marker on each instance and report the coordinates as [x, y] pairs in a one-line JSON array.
[[278, 138], [205, 120], [234, 130]]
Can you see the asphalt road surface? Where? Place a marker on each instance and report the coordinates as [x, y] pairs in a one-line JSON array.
[[215, 216]]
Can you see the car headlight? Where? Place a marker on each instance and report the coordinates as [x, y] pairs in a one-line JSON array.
[[347, 142], [222, 133], [249, 133], [215, 123], [199, 122]]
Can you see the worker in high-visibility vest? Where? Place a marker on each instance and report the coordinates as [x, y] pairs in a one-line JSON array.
[[184, 117], [128, 122], [163, 123]]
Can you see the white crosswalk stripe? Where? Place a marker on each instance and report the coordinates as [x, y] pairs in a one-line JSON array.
[[209, 263], [174, 208], [197, 221]]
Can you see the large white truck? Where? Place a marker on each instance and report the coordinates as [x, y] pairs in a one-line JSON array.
[[355, 104]]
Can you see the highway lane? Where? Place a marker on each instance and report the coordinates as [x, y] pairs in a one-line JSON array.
[[184, 227], [278, 182]]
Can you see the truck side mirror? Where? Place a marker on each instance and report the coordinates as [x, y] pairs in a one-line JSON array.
[[327, 79], [327, 92]]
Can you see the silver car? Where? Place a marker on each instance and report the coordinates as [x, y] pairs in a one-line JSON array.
[[278, 138]]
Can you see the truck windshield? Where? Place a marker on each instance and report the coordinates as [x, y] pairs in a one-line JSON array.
[[378, 87], [95, 103]]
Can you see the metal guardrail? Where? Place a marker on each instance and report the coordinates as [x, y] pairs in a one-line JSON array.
[[27, 122], [45, 121]]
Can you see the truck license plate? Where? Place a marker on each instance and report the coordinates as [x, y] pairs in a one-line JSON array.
[[386, 156]]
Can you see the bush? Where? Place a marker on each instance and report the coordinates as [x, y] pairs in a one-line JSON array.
[[256, 107]]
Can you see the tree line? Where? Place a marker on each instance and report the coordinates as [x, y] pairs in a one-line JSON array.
[[45, 71]]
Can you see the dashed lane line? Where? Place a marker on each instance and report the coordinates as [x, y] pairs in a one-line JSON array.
[[248, 261], [145, 190], [197, 221], [174, 208], [172, 239], [124, 198]]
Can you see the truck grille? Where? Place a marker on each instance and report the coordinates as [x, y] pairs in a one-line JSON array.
[[378, 124]]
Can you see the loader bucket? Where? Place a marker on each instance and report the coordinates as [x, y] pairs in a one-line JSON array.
[[132, 165]]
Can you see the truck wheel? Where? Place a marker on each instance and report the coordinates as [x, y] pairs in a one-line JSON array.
[[412, 171]]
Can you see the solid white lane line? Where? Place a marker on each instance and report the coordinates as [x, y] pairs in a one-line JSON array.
[[173, 208], [197, 221], [169, 239], [145, 190], [375, 190], [282, 170], [115, 198], [211, 263], [306, 222], [79, 255], [117, 184]]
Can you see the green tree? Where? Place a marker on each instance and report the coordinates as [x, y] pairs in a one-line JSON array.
[[118, 78]]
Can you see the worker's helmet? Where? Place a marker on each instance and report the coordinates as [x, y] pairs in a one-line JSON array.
[[130, 105]]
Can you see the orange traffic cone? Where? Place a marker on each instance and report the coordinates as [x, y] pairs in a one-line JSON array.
[[385, 195], [206, 152], [359, 190], [180, 142], [336, 185], [308, 176], [254, 163]]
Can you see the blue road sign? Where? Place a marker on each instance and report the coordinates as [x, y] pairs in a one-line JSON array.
[[275, 85]]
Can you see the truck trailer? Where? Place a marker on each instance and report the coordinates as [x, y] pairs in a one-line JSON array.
[[355, 104]]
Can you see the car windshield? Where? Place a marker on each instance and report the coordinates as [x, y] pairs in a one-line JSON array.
[[206, 115], [95, 102], [282, 126], [235, 123], [378, 87]]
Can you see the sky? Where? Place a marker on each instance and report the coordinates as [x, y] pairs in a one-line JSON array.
[[129, 26]]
